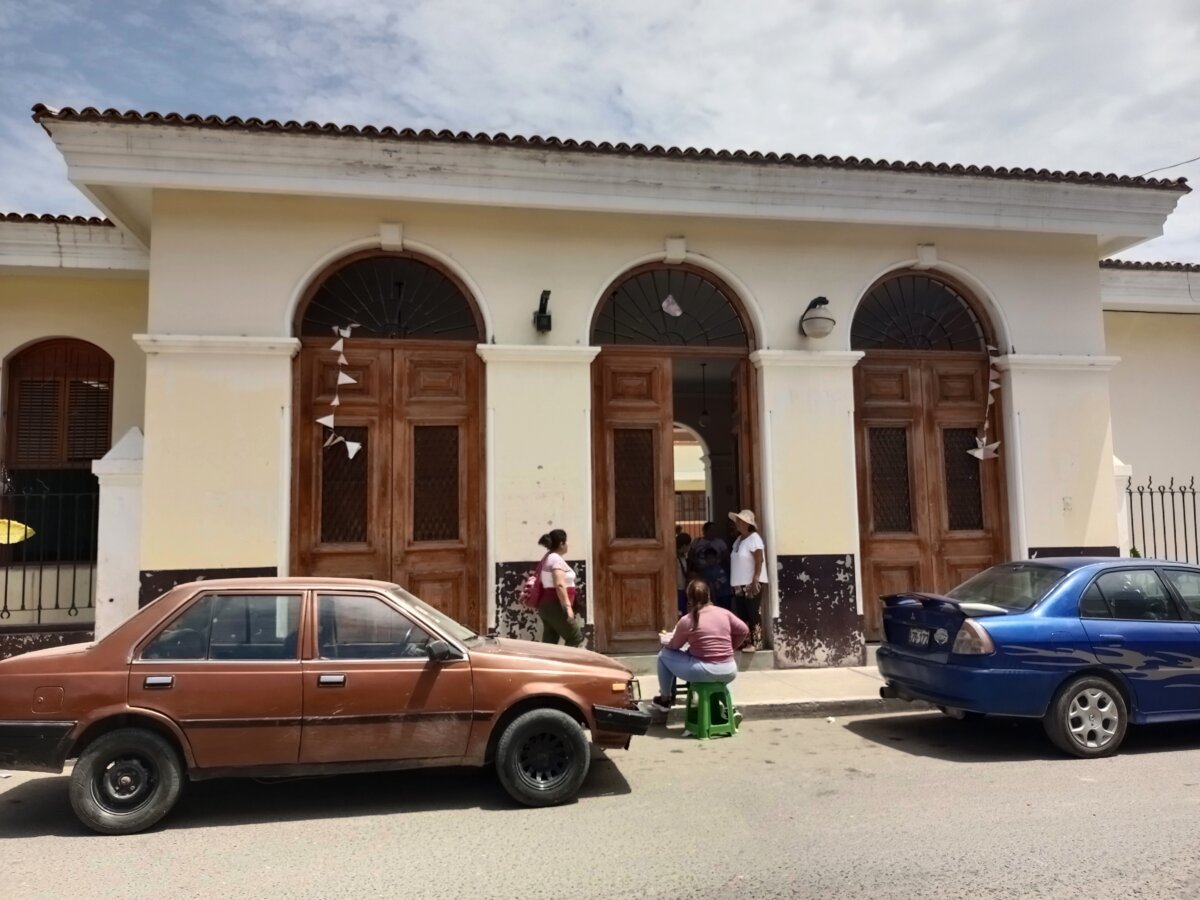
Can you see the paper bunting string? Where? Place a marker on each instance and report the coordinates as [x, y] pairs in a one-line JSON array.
[[984, 449], [339, 347], [671, 307]]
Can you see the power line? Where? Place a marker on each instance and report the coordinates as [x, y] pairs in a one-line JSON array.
[[1173, 166]]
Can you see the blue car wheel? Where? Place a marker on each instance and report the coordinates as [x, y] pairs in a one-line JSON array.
[[1088, 717]]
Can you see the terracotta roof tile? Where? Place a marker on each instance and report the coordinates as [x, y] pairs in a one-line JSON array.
[[43, 114], [1149, 266], [48, 219]]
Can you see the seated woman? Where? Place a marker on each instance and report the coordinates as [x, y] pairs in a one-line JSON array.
[[710, 634]]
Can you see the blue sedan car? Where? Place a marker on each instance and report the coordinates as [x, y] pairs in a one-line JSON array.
[[1086, 645]]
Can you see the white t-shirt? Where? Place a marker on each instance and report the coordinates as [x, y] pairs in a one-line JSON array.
[[555, 561], [741, 562]]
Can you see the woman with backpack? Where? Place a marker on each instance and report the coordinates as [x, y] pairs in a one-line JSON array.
[[555, 580]]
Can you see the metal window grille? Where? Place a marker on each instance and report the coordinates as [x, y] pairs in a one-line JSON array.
[[1162, 520]]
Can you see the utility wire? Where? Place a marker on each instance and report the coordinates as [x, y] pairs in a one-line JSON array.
[[1173, 166]]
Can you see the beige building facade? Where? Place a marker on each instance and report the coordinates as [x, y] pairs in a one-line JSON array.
[[329, 344]]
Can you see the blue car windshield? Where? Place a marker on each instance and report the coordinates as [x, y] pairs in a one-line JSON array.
[[1016, 587]]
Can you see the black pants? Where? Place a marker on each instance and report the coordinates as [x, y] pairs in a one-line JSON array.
[[748, 608]]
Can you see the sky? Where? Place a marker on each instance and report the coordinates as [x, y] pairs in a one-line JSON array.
[[1096, 85]]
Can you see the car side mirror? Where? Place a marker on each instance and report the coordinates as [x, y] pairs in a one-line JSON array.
[[439, 651]]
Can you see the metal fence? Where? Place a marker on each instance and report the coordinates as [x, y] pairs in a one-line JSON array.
[[1162, 520], [47, 556]]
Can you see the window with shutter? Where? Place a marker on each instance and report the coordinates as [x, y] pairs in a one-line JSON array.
[[59, 405]]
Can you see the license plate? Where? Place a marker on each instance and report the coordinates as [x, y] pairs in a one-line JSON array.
[[918, 637]]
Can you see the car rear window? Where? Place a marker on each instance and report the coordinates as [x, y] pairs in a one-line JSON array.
[[1016, 586]]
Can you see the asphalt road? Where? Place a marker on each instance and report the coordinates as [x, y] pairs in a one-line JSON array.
[[886, 806]]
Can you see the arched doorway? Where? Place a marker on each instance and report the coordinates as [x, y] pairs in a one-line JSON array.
[[675, 349], [931, 513], [387, 435]]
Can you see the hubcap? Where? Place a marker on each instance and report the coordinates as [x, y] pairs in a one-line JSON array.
[[125, 784], [1093, 718], [544, 760]]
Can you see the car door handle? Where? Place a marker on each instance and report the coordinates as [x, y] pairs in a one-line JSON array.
[[331, 680], [1113, 638], [158, 682]]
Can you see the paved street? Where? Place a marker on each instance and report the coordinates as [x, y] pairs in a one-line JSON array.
[[879, 806]]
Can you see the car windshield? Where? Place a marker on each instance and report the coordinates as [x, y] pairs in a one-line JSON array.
[[438, 618], [1014, 587]]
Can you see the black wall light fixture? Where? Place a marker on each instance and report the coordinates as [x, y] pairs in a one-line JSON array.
[[541, 318], [816, 321]]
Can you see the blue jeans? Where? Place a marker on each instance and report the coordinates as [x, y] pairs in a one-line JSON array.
[[674, 664]]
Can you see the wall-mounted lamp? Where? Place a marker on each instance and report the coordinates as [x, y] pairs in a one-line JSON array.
[[816, 321], [541, 318]]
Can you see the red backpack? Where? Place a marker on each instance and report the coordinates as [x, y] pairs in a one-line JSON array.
[[531, 587]]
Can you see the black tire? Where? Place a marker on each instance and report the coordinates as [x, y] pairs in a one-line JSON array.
[[1087, 718], [125, 781], [543, 757]]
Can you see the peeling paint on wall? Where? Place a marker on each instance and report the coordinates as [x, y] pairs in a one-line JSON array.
[[13, 643], [155, 583], [818, 622], [513, 620]]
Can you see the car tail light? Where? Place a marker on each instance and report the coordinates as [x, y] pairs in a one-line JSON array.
[[972, 640]]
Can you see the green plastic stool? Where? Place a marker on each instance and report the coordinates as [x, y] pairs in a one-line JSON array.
[[709, 711]]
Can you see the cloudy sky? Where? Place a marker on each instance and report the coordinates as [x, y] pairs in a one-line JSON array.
[[1100, 85]]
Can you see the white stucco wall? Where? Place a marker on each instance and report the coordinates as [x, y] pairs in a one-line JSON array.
[[1156, 429]]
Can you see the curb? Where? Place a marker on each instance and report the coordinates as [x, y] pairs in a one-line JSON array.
[[814, 709]]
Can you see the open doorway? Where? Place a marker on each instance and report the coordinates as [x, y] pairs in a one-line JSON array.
[[673, 441]]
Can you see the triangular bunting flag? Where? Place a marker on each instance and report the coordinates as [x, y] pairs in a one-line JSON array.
[[327, 421], [352, 448], [339, 345], [333, 439], [991, 400], [343, 378], [992, 349], [337, 401], [993, 375], [993, 385], [671, 307], [342, 359], [345, 332]]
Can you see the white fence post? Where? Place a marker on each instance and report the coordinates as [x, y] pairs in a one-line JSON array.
[[118, 553], [1122, 474]]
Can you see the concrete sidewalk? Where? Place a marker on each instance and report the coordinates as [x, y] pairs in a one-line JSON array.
[[788, 693]]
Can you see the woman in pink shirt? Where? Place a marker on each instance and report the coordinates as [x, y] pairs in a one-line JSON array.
[[710, 635]]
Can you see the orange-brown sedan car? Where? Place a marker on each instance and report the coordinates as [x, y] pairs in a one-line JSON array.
[[274, 676]]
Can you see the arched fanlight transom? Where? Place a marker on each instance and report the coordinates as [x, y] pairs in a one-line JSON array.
[[391, 296], [670, 306], [916, 312]]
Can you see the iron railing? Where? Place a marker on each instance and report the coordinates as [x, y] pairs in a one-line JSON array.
[[1162, 520], [47, 556]]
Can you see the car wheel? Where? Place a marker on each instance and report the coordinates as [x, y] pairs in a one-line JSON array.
[[1088, 717], [543, 757], [125, 781]]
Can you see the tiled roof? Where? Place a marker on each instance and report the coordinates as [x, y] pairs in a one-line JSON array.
[[1149, 266], [48, 219], [43, 114]]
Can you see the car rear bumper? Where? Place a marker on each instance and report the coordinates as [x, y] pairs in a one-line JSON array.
[[999, 692], [619, 720], [34, 746]]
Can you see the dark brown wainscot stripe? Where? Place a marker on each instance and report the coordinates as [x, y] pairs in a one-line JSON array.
[[818, 622], [25, 638], [156, 582], [513, 620], [1049, 552]]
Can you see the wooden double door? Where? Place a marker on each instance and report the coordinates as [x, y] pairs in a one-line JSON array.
[[633, 462], [931, 515], [407, 506]]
